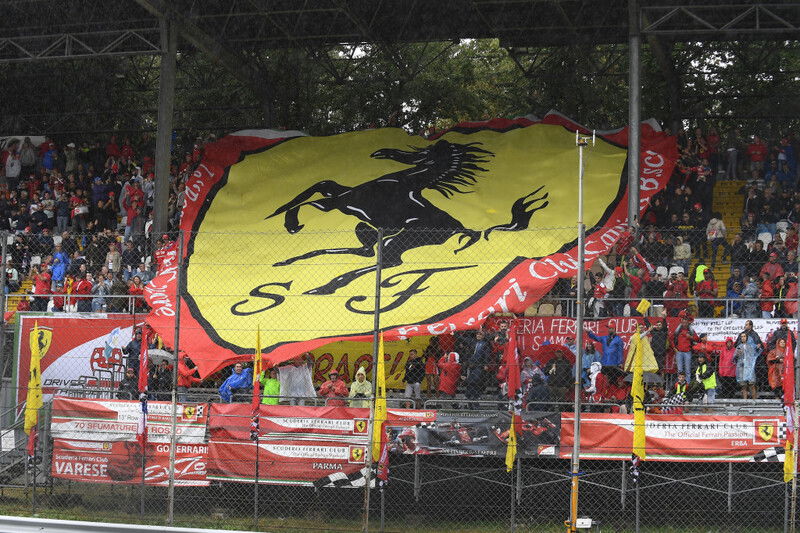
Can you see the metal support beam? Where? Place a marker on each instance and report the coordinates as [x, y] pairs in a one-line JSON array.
[[110, 43], [241, 69], [634, 104], [166, 106]]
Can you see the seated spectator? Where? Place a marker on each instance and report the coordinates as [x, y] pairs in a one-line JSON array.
[[749, 227]]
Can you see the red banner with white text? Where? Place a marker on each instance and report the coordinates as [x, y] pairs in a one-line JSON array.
[[691, 438]]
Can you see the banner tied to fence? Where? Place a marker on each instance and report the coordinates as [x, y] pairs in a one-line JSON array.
[[281, 231]]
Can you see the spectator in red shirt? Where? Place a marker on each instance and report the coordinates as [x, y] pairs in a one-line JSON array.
[[767, 293], [82, 288], [41, 285], [757, 152], [187, 376], [772, 267], [449, 374], [112, 148], [706, 292], [675, 298], [334, 389]]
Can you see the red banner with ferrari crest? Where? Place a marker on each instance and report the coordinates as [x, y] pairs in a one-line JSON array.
[[691, 438], [280, 231]]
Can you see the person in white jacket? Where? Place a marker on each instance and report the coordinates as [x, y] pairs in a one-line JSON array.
[[715, 234], [296, 381]]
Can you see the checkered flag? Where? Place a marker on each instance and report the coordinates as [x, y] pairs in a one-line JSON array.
[[770, 455], [340, 480], [671, 403]]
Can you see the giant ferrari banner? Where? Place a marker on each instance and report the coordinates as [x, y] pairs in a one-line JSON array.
[[281, 231], [96, 441]]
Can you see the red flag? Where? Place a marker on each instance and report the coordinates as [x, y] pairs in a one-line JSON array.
[[788, 389], [141, 430], [383, 461]]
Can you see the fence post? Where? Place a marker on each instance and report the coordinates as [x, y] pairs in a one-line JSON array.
[[375, 342], [730, 487], [176, 351], [3, 253], [623, 493]]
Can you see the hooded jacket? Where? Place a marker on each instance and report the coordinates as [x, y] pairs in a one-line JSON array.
[[450, 373], [360, 390]]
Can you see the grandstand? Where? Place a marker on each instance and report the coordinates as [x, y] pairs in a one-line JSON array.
[[151, 257]]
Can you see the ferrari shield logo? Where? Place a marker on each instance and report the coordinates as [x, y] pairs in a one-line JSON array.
[[356, 454], [359, 426], [40, 339], [766, 432], [189, 412]]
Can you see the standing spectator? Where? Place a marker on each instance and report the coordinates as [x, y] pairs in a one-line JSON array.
[[676, 297], [449, 374], [733, 307], [431, 355], [60, 263], [271, 387], [296, 381], [745, 355], [750, 294], [129, 260], [476, 365], [559, 376], [240, 380], [82, 288], [659, 342], [612, 347], [415, 372], [772, 267], [42, 282], [706, 292], [129, 386], [682, 253], [767, 293], [360, 389], [727, 369], [715, 233], [113, 258], [683, 338], [707, 377], [187, 376], [775, 366], [782, 332], [101, 288], [757, 153], [133, 349], [333, 390]]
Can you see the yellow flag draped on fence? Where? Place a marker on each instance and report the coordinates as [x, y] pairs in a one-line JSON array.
[[380, 402], [34, 399], [511, 445], [788, 463], [637, 393], [257, 368]]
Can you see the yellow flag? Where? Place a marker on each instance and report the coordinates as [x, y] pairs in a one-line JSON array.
[[649, 363], [643, 306], [380, 402], [788, 463], [257, 361], [34, 399], [511, 446], [637, 393]]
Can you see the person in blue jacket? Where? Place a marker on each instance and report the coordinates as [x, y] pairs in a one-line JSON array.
[[612, 347]]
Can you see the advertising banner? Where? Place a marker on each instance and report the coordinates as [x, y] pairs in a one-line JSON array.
[[76, 350], [117, 420], [121, 462], [96, 441], [675, 437]]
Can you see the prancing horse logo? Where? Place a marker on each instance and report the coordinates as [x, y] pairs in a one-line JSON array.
[[395, 202]]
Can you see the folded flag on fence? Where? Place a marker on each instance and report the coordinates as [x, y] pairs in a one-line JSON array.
[[790, 463], [39, 341], [638, 452], [285, 228]]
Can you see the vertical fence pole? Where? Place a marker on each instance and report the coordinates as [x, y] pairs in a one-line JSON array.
[[514, 499], [3, 253], [785, 508], [176, 350], [636, 490], [417, 477], [793, 499], [519, 480], [375, 342], [730, 487], [581, 142], [255, 487], [623, 493]]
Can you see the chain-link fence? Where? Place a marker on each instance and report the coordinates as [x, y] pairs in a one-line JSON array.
[[302, 459]]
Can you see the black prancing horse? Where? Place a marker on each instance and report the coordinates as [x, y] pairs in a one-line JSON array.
[[395, 202]]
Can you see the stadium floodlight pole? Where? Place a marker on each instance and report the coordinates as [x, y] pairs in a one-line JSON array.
[[176, 346], [581, 141], [634, 111], [166, 107], [376, 335]]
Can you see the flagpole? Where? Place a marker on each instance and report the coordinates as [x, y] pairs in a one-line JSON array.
[[581, 142], [793, 511], [176, 345], [376, 325]]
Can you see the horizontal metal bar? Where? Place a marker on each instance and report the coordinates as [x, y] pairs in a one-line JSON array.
[[18, 524]]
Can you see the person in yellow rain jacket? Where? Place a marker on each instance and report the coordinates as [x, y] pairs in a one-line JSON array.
[[360, 389]]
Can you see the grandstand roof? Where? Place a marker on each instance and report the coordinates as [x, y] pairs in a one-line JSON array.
[[39, 29]]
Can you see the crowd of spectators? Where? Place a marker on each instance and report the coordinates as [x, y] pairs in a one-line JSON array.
[[670, 257], [81, 217]]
